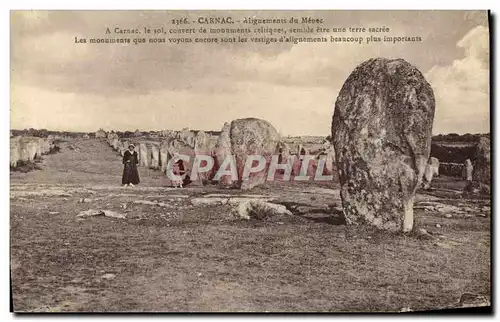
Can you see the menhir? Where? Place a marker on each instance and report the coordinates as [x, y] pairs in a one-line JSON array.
[[381, 129], [243, 138]]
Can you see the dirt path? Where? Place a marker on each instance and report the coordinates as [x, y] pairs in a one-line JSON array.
[[84, 162], [171, 254]]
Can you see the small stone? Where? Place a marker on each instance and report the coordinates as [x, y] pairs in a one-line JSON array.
[[90, 212], [423, 231], [108, 276], [199, 274], [448, 216], [481, 215], [109, 213], [54, 212], [438, 226], [259, 209]]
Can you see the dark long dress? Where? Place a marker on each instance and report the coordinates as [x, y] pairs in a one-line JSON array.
[[130, 173]]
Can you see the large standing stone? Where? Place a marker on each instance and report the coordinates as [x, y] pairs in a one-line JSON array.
[[244, 137], [431, 170], [203, 143], [30, 149], [203, 146], [144, 154], [155, 155], [381, 131], [428, 176], [434, 162], [481, 176], [15, 151], [187, 137], [467, 170], [164, 156], [116, 144]]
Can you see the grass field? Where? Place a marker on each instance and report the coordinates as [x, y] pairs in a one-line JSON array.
[[172, 255]]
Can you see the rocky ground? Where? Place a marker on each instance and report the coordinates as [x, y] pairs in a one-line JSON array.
[[80, 242]]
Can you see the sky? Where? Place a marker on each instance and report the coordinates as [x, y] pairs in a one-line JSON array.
[[58, 84]]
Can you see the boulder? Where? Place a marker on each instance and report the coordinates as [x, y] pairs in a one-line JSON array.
[[328, 154], [467, 170], [222, 151], [32, 150], [204, 145], [249, 136], [259, 209], [155, 155], [164, 156], [474, 300], [431, 170], [15, 151], [172, 148], [115, 143], [381, 130], [428, 175], [284, 157], [481, 176], [187, 137], [144, 154], [434, 163]]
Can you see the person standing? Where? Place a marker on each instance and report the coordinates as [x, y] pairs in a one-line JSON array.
[[130, 161]]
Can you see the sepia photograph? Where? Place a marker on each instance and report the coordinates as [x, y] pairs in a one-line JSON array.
[[277, 161]]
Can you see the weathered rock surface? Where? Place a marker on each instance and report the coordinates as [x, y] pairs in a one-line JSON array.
[[434, 163], [431, 170], [381, 131], [164, 156], [155, 155], [144, 155], [223, 150], [204, 146], [474, 300], [107, 213], [244, 137], [467, 170], [259, 209], [188, 137], [481, 176]]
